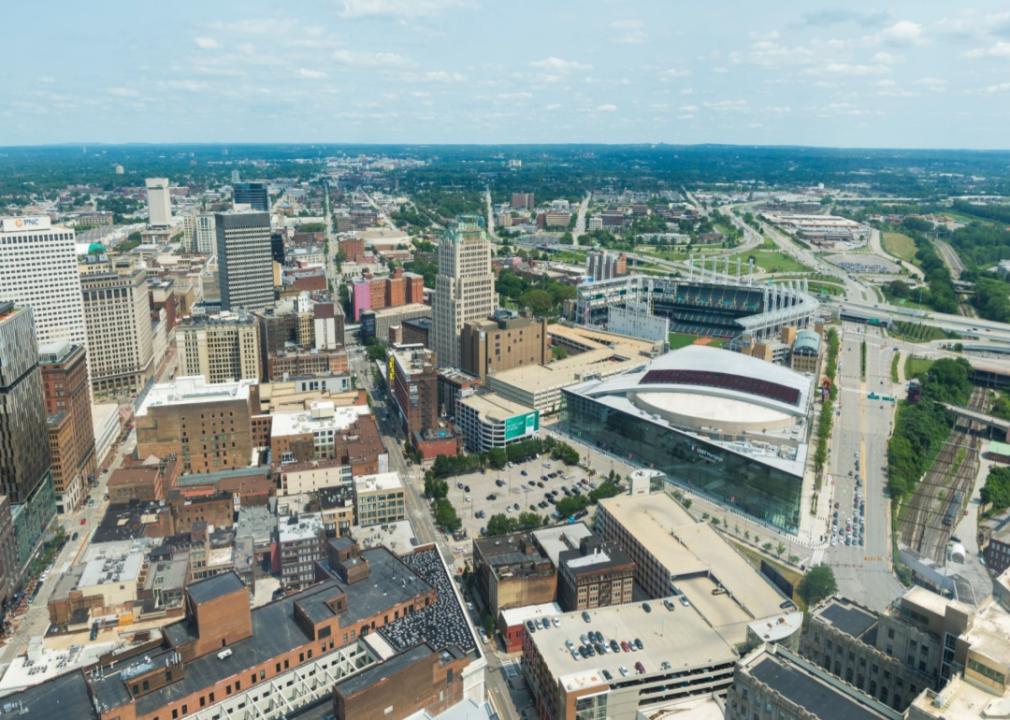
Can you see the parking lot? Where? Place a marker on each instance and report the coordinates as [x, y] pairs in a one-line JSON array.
[[514, 489]]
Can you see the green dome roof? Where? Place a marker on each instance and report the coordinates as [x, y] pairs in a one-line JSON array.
[[96, 248]]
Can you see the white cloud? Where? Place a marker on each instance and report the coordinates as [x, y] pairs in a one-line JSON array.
[[844, 108], [903, 32], [769, 53], [998, 88], [686, 116], [673, 73], [850, 70], [557, 65], [205, 42], [193, 86], [123, 91], [886, 58], [728, 105], [1000, 50], [397, 8], [553, 106], [932, 84], [444, 76], [689, 108], [310, 74], [630, 32], [606, 107], [368, 59]]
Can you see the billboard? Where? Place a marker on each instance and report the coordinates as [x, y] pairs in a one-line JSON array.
[[522, 426], [37, 222]]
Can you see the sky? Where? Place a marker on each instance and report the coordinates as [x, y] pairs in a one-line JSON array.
[[921, 74]]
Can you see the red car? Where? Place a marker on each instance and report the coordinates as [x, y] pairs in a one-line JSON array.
[[84, 521]]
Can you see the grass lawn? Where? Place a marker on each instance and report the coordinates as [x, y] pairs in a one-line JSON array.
[[679, 340], [772, 261], [917, 332], [829, 288], [914, 366], [755, 557], [899, 245], [569, 256]]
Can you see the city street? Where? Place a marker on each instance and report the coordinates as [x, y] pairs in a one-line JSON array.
[[859, 446]]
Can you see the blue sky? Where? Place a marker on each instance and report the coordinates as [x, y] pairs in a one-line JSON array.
[[911, 74]]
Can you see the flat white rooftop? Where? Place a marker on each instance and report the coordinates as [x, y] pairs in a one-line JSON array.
[[191, 390], [377, 482], [312, 420]]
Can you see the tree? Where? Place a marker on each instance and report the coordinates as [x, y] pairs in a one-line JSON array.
[[529, 521], [997, 489], [566, 454], [817, 584], [499, 524], [497, 458], [445, 516], [539, 301]]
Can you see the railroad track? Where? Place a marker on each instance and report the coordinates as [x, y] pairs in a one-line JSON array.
[[929, 517]]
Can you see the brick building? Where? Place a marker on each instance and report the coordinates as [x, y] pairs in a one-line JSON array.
[[64, 371], [512, 571], [594, 575], [208, 426], [489, 346], [308, 362], [147, 481], [413, 378]]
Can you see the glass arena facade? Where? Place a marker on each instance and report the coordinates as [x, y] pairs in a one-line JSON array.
[[744, 447]]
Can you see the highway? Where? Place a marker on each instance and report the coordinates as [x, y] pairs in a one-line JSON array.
[[580, 220], [861, 431], [965, 326]]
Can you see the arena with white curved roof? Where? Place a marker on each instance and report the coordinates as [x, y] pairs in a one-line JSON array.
[[732, 426]]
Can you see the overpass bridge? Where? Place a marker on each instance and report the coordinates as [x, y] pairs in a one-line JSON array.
[[993, 423]]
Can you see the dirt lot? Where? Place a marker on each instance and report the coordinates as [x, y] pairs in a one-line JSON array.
[[512, 490]]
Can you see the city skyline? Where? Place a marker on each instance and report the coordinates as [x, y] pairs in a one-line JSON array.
[[452, 71]]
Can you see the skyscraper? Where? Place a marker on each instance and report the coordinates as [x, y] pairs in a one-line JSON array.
[[201, 236], [253, 194], [245, 265], [24, 448], [38, 267], [159, 202], [118, 319], [464, 287]]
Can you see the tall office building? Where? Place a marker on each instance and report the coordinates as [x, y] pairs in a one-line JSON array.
[[201, 236], [118, 319], [38, 267], [65, 386], [253, 194], [245, 265], [464, 287], [24, 448], [159, 202]]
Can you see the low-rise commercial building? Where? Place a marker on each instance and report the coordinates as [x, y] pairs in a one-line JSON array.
[[312, 476], [891, 656], [772, 683], [299, 546], [324, 431], [379, 499], [490, 421], [677, 654], [594, 575], [512, 571]]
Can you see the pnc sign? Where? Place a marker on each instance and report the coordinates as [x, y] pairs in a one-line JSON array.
[[33, 222]]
